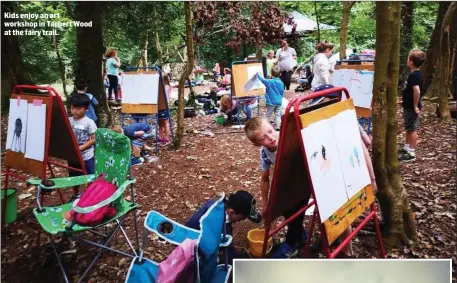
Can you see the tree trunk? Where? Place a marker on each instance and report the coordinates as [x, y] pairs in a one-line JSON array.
[[144, 50], [400, 227], [13, 71], [444, 64], [346, 11], [453, 68], [185, 75], [156, 38], [61, 66], [89, 54], [258, 52], [317, 21], [429, 66], [407, 9]]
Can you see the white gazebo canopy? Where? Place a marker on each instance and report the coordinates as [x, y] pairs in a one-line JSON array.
[[305, 24]]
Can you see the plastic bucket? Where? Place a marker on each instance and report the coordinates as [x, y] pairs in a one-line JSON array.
[[255, 238], [220, 120], [11, 205]]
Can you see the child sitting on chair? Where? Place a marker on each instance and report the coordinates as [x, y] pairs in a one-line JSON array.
[[138, 133], [238, 207]]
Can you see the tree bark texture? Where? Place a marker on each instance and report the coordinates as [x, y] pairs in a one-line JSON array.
[[444, 62], [89, 54], [346, 12], [317, 21], [13, 70], [430, 64], [157, 39], [185, 75], [400, 227], [407, 9], [55, 41]]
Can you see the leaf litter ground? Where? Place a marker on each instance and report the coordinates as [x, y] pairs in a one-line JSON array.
[[206, 165]]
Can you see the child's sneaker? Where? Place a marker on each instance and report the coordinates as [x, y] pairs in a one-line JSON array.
[[164, 142], [402, 151], [285, 251], [148, 136], [136, 161], [407, 157]]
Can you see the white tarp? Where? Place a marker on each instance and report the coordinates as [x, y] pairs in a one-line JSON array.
[[305, 24]]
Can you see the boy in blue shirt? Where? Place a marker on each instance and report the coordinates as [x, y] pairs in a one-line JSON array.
[[239, 206], [81, 88], [273, 96]]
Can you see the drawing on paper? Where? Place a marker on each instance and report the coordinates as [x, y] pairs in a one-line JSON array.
[[356, 154], [17, 126], [325, 161], [16, 143]]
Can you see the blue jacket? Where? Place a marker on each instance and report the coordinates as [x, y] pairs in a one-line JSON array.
[[275, 90]]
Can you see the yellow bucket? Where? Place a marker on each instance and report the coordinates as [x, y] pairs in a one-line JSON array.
[[255, 238]]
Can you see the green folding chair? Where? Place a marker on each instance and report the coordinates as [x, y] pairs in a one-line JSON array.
[[112, 158]]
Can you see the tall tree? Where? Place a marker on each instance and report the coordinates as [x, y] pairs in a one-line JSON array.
[[406, 32], [346, 12], [185, 75], [13, 71], [430, 64], [400, 225], [444, 62], [89, 52]]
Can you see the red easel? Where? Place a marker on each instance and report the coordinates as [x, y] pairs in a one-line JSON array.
[[60, 142], [292, 181]]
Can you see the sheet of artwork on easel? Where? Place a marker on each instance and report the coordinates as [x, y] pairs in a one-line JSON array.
[[350, 151], [36, 131], [140, 88], [253, 81], [359, 83], [17, 125], [325, 167]]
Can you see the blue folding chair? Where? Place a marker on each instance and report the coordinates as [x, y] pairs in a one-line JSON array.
[[210, 238]]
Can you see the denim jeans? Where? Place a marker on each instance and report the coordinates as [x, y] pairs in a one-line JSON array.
[[247, 108]]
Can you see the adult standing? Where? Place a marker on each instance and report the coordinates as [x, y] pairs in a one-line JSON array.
[[112, 69], [321, 64], [286, 57]]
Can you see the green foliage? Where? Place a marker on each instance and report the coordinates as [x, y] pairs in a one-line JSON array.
[[424, 17]]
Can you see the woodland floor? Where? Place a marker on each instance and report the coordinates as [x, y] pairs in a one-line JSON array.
[[180, 181]]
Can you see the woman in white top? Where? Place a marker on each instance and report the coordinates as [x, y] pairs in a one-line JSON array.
[[321, 64], [286, 57]]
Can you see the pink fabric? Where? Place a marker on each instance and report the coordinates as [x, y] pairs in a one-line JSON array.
[[178, 267], [97, 192]]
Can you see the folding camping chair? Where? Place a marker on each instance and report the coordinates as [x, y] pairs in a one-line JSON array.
[[211, 236], [112, 158]]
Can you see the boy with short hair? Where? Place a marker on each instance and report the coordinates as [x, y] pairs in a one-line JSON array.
[[138, 133], [81, 88], [239, 206], [412, 104], [274, 94], [260, 132], [84, 130]]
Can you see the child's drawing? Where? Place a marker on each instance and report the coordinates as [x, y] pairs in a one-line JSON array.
[[17, 126], [325, 161], [356, 154]]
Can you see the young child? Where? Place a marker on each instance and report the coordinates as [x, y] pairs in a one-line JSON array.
[[138, 133], [270, 62], [81, 88], [260, 132], [238, 207], [229, 110], [412, 105], [216, 71], [227, 77], [273, 97], [164, 123], [84, 130]]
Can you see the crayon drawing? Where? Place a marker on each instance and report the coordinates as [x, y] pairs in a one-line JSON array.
[[17, 126]]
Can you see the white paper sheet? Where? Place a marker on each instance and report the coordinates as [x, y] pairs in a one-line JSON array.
[[252, 71], [350, 151], [325, 167], [140, 88], [36, 132], [17, 126], [358, 83]]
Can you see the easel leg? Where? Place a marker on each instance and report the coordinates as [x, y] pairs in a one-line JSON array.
[[310, 233], [62, 200], [378, 233]]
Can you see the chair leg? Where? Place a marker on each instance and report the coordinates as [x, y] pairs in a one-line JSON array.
[[126, 238], [58, 259]]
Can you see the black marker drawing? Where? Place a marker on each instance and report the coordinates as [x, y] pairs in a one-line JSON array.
[[17, 135]]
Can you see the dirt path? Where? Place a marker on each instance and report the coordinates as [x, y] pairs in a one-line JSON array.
[[182, 180]]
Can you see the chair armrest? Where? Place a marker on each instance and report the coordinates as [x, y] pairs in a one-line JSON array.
[[112, 198], [227, 242], [64, 182], [178, 233]]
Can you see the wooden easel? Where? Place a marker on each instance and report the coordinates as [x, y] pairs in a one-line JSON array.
[[151, 110], [60, 141], [292, 181]]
